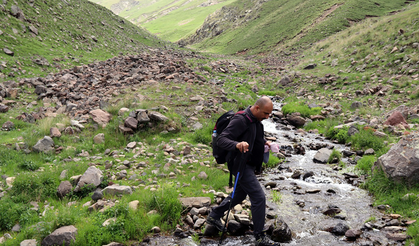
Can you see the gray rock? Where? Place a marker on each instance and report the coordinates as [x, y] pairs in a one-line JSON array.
[[131, 122], [284, 81], [3, 108], [157, 116], [352, 130], [33, 29], [197, 126], [98, 194], [17, 12], [117, 190], [339, 229], [99, 138], [93, 176], [198, 223], [8, 126], [401, 162], [356, 105], [296, 120], [142, 116], [202, 175], [62, 236], [64, 188], [280, 231], [29, 242], [197, 202], [44, 145], [323, 155]]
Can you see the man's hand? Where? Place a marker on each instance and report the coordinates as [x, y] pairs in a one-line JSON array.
[[243, 147]]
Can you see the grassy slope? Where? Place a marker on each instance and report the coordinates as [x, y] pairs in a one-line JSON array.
[[278, 22], [63, 39], [184, 16]]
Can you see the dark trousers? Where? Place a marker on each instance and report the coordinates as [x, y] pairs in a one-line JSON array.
[[247, 185]]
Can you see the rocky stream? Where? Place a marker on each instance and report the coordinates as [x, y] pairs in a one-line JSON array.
[[320, 203]]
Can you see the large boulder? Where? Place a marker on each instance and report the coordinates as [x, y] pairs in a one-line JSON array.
[[296, 120], [401, 162], [62, 236], [93, 177], [396, 118], [101, 117]]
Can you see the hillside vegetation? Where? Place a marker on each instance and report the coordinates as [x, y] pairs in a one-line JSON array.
[[260, 26], [170, 20], [329, 55], [46, 36]]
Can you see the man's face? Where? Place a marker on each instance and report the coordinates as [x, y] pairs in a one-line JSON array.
[[263, 112]]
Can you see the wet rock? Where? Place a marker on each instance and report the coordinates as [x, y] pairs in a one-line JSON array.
[[352, 235], [332, 210], [400, 237], [323, 155], [339, 229], [296, 120], [280, 231]]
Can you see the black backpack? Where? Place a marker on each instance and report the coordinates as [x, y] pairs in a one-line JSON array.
[[221, 155]]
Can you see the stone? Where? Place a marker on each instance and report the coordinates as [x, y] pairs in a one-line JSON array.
[[396, 118], [54, 132], [97, 195], [401, 162], [8, 126], [44, 145], [117, 190], [296, 120], [339, 229], [101, 117], [33, 29], [157, 116], [99, 138], [3, 108], [122, 111], [280, 231], [352, 235], [323, 155], [202, 175], [142, 116], [134, 205], [156, 229], [356, 105], [62, 236], [197, 202], [352, 130], [284, 81], [64, 188], [114, 244], [131, 122], [199, 223], [29, 242], [92, 177], [8, 52]]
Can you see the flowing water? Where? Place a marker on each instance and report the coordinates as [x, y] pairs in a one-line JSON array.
[[303, 201]]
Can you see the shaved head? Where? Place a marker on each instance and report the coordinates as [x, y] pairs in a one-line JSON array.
[[263, 101], [262, 108]]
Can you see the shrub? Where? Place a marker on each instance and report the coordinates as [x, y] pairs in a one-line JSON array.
[[336, 155], [273, 161], [10, 213], [365, 163], [366, 139], [167, 204], [341, 135], [300, 107]]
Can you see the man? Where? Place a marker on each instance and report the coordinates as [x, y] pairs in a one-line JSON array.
[[246, 142]]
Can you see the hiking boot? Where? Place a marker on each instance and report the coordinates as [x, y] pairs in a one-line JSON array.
[[263, 240], [216, 223]]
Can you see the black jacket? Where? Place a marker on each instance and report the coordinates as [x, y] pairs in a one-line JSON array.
[[243, 127]]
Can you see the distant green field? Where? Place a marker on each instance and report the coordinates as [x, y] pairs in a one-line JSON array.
[[170, 20]]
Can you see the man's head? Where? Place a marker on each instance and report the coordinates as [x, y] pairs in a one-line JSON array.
[[262, 108]]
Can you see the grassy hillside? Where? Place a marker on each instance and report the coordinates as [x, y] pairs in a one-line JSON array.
[[49, 35], [168, 19], [260, 26]]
